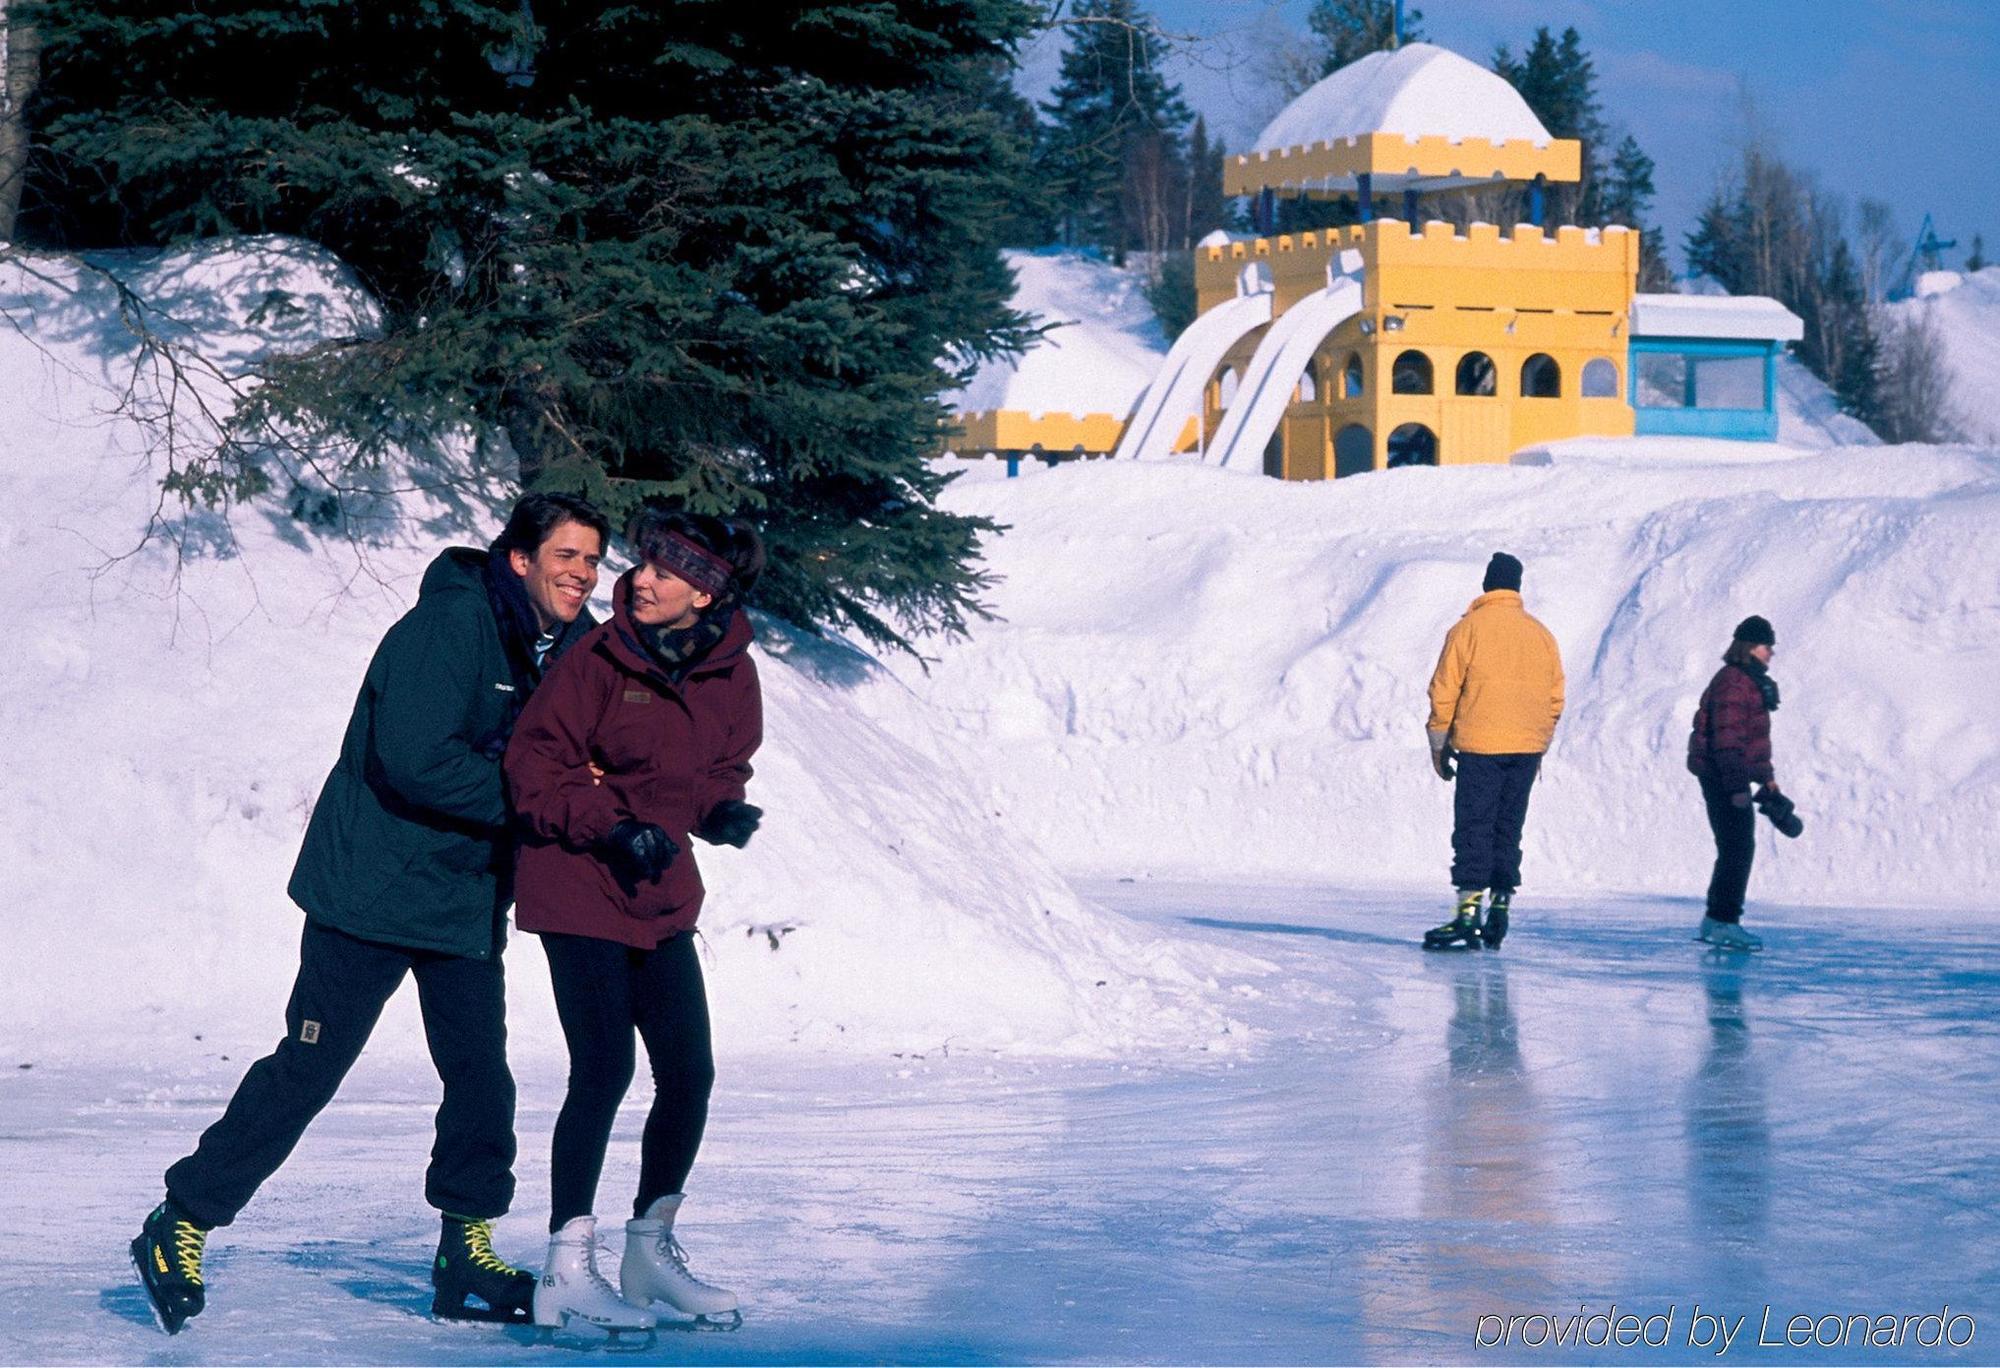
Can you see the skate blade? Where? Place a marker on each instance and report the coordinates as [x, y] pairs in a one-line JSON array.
[[671, 1318], [478, 1313], [579, 1336], [163, 1318]]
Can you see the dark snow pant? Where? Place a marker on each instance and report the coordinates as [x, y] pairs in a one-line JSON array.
[[343, 985], [1735, 831], [1489, 809], [603, 991]]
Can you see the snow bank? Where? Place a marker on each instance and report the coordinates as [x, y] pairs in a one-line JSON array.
[[1208, 674], [172, 704], [1966, 309], [1104, 348]]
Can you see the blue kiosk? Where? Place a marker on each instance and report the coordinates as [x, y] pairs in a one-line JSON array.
[[1707, 365]]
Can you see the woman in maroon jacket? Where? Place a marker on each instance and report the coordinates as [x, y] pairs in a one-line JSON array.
[[1728, 751], [640, 738]]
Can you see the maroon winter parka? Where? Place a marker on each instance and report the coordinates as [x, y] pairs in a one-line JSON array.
[[1730, 746], [669, 754]]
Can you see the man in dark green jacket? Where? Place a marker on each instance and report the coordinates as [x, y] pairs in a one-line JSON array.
[[407, 869]]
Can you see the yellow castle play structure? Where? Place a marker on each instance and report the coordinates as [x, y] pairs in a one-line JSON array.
[[1398, 341]]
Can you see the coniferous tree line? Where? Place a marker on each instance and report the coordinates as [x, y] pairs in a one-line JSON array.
[[700, 253], [1771, 230]]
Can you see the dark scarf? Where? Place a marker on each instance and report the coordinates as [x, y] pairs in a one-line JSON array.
[[1760, 675], [515, 615], [677, 650]]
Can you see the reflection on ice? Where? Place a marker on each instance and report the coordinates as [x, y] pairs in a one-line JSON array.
[[1728, 1138]]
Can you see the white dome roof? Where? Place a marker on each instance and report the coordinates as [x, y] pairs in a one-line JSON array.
[[1417, 90]]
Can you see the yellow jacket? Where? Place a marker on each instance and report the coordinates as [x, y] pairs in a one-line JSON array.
[[1498, 686]]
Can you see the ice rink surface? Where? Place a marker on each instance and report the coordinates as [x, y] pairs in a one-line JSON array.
[[1603, 1114]]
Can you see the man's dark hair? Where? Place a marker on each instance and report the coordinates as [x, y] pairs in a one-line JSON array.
[[735, 542], [535, 516]]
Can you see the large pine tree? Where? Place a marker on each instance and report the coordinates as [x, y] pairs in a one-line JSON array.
[[1113, 154], [698, 252]]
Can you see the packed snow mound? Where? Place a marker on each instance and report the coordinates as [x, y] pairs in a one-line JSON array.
[[1967, 316], [1102, 348], [1418, 90], [173, 701], [1199, 673]]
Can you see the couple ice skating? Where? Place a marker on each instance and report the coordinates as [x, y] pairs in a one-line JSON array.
[[504, 745], [1496, 696]]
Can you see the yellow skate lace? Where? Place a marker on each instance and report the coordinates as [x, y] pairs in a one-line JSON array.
[[479, 1248], [189, 1240]]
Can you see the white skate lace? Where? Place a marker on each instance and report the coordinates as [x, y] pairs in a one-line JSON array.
[[671, 1247], [597, 1279]]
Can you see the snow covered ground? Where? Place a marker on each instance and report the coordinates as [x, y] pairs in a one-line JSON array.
[[1602, 1114]]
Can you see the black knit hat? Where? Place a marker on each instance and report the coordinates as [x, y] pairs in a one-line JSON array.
[[1502, 572], [1756, 631]]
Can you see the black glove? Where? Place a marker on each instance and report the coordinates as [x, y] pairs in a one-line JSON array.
[[1441, 757], [637, 852], [1780, 810], [730, 822]]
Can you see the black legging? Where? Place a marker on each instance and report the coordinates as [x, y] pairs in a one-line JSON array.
[[1735, 831], [604, 990]]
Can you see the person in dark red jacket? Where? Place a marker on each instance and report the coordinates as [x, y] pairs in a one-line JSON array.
[[1728, 751], [640, 739]]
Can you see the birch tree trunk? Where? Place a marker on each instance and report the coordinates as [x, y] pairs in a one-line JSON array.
[[20, 72]]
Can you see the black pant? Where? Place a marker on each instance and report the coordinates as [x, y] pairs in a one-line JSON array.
[[1489, 808], [1735, 831], [343, 985], [604, 990]]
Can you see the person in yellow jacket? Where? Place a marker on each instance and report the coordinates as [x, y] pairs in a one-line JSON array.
[[1495, 697]]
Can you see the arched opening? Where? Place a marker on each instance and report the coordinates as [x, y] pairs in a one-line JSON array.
[[1351, 377], [1600, 379], [1308, 386], [1353, 451], [1225, 387], [1274, 454], [1411, 374], [1477, 374], [1413, 444], [1541, 377]]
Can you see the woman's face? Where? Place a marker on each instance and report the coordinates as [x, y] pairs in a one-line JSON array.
[[660, 598], [1762, 653]]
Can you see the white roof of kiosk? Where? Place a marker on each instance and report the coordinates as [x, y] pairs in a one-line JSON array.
[[1754, 317], [1418, 117], [1417, 90]]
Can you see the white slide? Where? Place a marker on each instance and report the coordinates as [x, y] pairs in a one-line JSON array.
[[1174, 396], [1274, 371]]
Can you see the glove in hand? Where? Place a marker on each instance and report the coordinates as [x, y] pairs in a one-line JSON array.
[[636, 853], [731, 822]]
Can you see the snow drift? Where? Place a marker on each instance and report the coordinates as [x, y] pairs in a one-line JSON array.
[[1210, 674], [171, 704]]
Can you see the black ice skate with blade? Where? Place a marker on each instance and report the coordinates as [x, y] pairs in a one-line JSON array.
[[167, 1254], [1462, 931], [475, 1284]]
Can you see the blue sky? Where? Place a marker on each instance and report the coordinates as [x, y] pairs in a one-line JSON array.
[[1897, 100]]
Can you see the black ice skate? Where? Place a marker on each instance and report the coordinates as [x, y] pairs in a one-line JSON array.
[[1495, 928], [1462, 931], [475, 1284], [168, 1257]]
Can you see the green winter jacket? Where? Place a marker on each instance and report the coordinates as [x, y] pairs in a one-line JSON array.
[[408, 844]]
